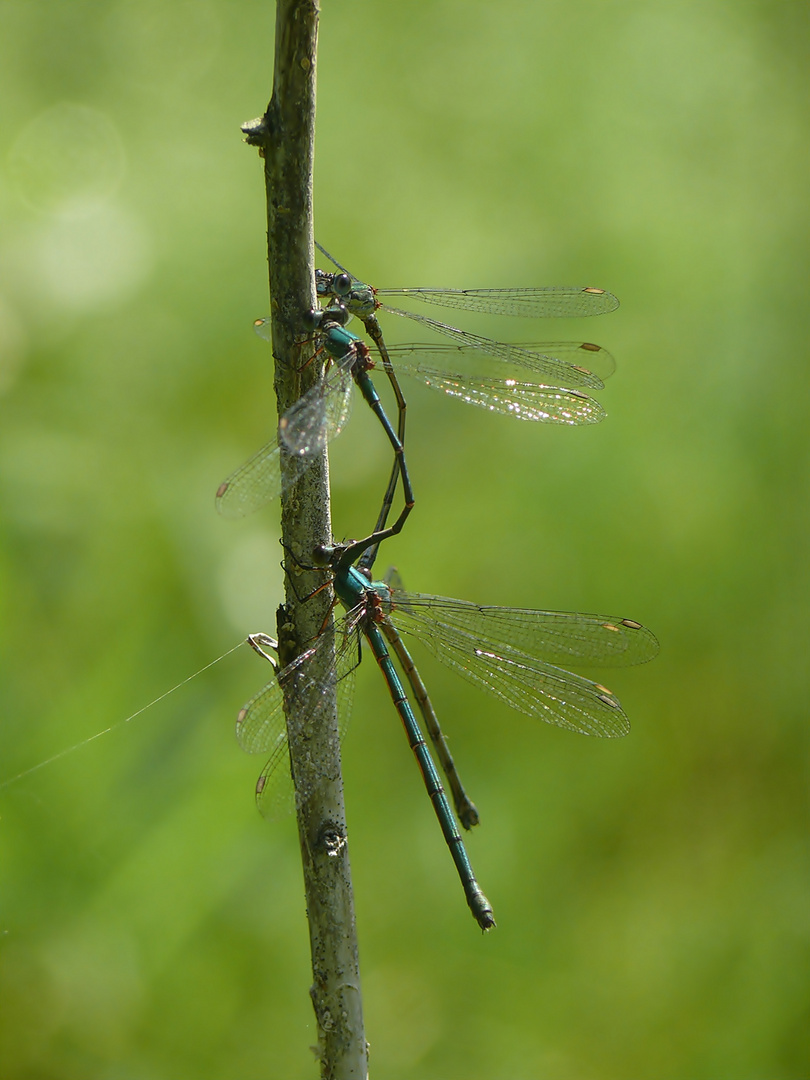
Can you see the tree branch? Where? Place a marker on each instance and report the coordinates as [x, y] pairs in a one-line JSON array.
[[285, 135]]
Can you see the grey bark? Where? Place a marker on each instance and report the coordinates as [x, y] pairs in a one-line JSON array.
[[285, 136]]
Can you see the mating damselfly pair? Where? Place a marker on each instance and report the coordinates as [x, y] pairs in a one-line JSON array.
[[521, 656]]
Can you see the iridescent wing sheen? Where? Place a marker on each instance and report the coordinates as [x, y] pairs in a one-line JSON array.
[[517, 656]]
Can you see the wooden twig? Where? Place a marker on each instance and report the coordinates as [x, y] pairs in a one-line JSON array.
[[285, 135]]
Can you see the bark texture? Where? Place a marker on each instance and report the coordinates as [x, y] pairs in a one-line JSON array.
[[285, 136]]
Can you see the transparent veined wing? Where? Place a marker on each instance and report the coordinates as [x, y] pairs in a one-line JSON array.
[[517, 655], [259, 480], [564, 359], [556, 369], [261, 725], [545, 302], [558, 637], [319, 415], [512, 397]]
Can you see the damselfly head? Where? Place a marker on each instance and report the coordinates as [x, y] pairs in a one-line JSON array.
[[324, 554], [323, 282], [335, 313], [341, 284], [313, 319], [327, 284], [322, 318]]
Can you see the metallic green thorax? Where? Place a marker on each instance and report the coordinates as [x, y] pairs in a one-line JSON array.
[[337, 340], [352, 588]]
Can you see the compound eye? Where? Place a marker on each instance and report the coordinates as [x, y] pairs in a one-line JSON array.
[[336, 313], [323, 554], [342, 284], [312, 319]]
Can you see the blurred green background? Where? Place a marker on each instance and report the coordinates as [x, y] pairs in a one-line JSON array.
[[651, 893]]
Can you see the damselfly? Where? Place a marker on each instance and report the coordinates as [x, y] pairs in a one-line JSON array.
[[591, 364], [564, 363], [323, 411], [304, 430], [520, 656]]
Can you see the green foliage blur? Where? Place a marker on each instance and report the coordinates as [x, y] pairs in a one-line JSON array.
[[652, 892]]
